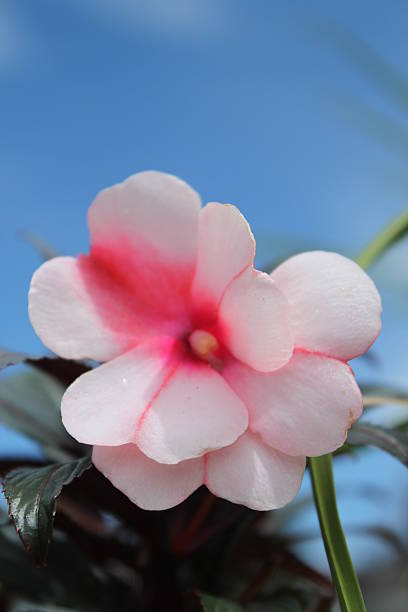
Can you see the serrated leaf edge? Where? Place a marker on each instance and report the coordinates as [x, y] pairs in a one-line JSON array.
[[42, 562]]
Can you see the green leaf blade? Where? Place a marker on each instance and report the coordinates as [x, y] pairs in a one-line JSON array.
[[392, 234], [392, 441], [31, 495], [208, 603], [9, 358], [30, 404]]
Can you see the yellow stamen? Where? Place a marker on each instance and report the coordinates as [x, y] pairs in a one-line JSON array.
[[203, 344]]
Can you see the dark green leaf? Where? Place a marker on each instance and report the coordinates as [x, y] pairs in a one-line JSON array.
[[392, 441], [31, 494], [286, 602], [69, 581], [30, 403], [26, 606], [8, 358], [207, 603], [65, 371], [18, 575]]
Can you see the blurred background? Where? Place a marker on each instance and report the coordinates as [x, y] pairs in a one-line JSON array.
[[295, 112]]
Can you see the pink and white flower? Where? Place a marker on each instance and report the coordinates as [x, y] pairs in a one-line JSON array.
[[214, 373]]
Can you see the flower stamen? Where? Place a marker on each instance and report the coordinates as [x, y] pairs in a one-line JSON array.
[[203, 344]]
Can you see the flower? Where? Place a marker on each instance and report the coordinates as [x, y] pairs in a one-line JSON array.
[[214, 373]]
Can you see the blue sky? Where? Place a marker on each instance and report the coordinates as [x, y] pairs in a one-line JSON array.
[[242, 99], [241, 102]]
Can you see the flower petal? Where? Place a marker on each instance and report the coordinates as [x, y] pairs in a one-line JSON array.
[[254, 322], [251, 473], [150, 485], [158, 208], [196, 411], [104, 405], [334, 306], [226, 246], [305, 408], [143, 255], [63, 314]]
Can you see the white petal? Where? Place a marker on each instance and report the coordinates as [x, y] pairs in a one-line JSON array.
[[305, 408], [104, 405], [226, 246], [157, 208], [143, 256], [334, 306], [252, 474], [63, 314], [196, 411], [150, 485], [253, 318]]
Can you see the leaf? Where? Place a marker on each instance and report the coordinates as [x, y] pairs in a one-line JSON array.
[[71, 580], [201, 602], [387, 78], [44, 250], [392, 441], [26, 606], [285, 602], [31, 494], [64, 371], [9, 358], [377, 395], [390, 235], [17, 572], [374, 124], [30, 403]]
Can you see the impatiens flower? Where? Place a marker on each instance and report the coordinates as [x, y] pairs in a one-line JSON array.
[[214, 373]]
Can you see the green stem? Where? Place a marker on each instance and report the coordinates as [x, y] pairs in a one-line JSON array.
[[321, 469], [338, 556], [391, 234]]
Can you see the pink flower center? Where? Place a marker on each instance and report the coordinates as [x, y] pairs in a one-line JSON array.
[[204, 345]]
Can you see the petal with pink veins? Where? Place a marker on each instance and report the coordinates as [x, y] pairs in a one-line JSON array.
[[226, 246], [305, 408], [251, 473], [63, 314], [148, 484], [143, 256], [253, 317], [335, 307], [104, 405], [195, 412]]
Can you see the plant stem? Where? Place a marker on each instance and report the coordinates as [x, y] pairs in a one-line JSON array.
[[391, 234], [341, 565], [321, 469]]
